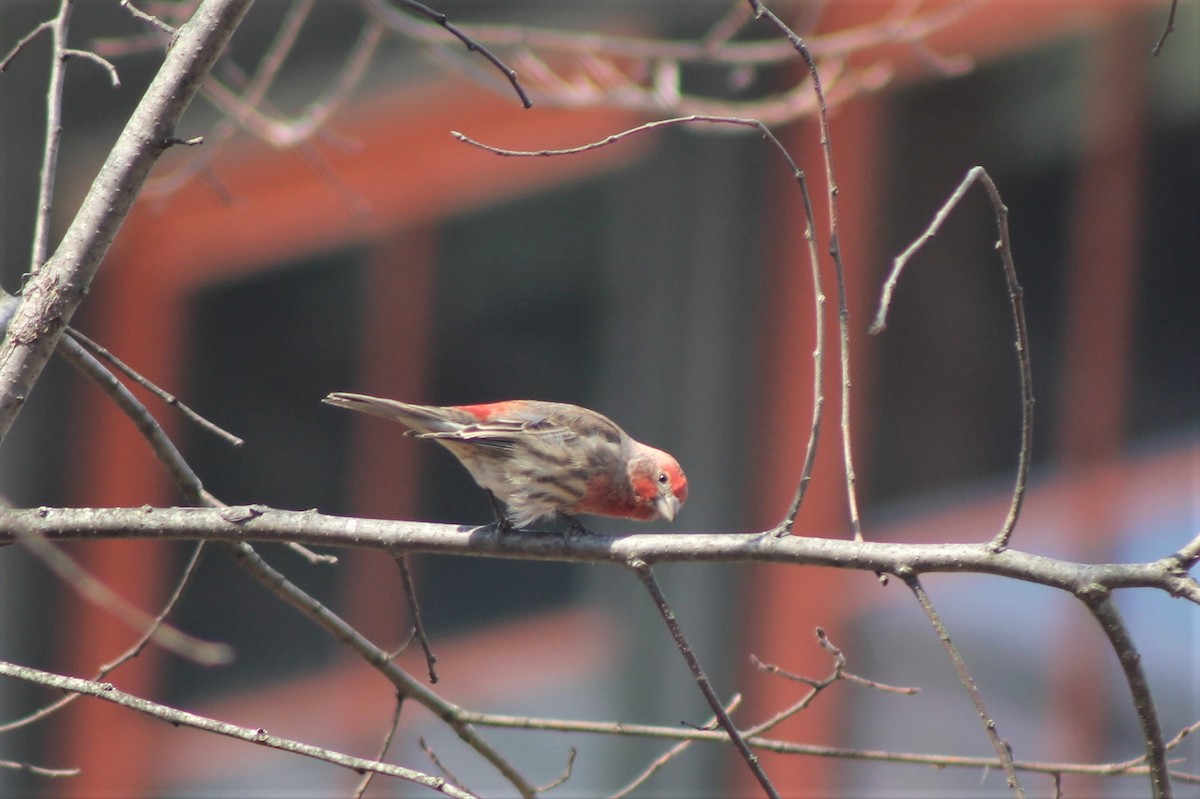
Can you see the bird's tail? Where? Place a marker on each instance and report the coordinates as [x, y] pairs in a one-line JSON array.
[[422, 419]]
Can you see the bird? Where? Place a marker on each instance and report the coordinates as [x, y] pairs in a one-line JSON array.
[[543, 459]]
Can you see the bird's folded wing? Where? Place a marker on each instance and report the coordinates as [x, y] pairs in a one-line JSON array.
[[502, 433]]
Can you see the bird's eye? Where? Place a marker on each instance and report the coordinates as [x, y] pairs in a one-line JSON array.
[[662, 478]]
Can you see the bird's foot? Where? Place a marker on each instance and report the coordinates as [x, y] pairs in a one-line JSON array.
[[502, 523], [576, 527]]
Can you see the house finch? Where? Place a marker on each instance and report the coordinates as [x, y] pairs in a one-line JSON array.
[[542, 458]]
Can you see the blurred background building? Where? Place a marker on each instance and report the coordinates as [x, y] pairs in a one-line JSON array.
[[664, 282]]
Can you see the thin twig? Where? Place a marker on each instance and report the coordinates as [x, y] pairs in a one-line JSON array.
[[98, 593], [110, 693], [672, 753], [22, 43], [437, 762], [367, 778], [624, 729], [818, 409], [40, 771], [646, 574], [1167, 31], [636, 70], [616, 137], [816, 686], [835, 251], [99, 60], [748, 53], [566, 774], [252, 110], [385, 13], [1015, 295], [54, 93], [1100, 602], [162, 446], [189, 570], [719, 35], [149, 18], [1003, 750], [104, 354], [414, 608], [51, 296]]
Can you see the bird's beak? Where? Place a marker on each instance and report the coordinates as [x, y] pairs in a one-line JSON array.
[[667, 506]]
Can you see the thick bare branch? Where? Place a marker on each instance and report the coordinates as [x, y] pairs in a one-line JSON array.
[[52, 295], [260, 523]]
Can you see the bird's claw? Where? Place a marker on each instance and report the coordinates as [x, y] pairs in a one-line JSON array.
[[503, 524], [576, 527]]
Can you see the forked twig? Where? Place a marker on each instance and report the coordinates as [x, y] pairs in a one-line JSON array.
[[437, 762], [164, 449], [162, 446], [646, 574], [340, 629], [414, 607], [672, 753], [1015, 295], [1003, 750], [60, 53], [816, 686], [104, 354]]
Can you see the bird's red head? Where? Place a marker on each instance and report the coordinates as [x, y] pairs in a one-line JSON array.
[[658, 483]]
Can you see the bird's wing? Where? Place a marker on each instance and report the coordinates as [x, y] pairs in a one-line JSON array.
[[505, 433]]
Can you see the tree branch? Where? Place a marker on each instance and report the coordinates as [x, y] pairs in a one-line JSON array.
[[260, 523], [1100, 602], [51, 296], [1002, 747], [1015, 295], [109, 693], [406, 686], [646, 575]]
